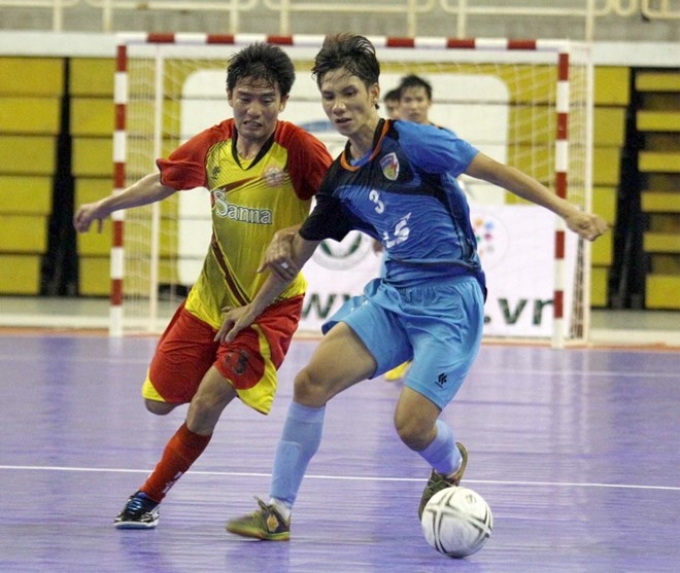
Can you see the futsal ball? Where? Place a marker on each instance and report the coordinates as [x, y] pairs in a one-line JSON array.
[[457, 521]]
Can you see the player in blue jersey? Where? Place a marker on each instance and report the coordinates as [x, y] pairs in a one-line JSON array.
[[395, 181]]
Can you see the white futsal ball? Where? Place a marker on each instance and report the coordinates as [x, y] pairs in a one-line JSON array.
[[457, 521]]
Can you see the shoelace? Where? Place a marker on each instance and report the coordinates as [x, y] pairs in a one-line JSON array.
[[136, 505]]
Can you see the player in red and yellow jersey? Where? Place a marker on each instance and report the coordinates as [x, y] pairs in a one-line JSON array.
[[262, 174]]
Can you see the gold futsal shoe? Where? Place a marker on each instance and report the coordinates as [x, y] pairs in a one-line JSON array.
[[438, 482], [266, 523]]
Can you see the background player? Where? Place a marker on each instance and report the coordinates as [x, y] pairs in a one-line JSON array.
[[391, 101], [415, 99]]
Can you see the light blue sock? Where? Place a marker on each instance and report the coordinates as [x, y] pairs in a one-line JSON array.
[[442, 454], [299, 442]]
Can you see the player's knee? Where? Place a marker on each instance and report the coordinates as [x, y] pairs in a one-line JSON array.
[[204, 404], [211, 398], [159, 408], [310, 389], [413, 432]]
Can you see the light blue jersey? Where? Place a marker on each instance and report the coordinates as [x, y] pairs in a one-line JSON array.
[[428, 306]]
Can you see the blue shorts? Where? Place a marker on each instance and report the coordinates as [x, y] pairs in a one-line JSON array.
[[437, 325]]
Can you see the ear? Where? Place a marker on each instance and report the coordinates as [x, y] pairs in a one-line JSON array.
[[284, 101], [230, 97], [374, 93]]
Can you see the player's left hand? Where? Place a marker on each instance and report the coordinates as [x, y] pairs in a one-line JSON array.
[[588, 225]]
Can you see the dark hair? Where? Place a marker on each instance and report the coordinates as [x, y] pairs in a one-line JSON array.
[[354, 53], [262, 61], [392, 95], [414, 81]]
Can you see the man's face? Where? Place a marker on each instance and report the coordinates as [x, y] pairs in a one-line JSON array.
[[415, 105], [349, 105], [256, 105], [392, 108]]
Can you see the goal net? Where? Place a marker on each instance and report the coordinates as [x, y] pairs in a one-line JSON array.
[[527, 104]]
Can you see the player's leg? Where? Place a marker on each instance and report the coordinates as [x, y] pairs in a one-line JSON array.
[[189, 442], [184, 354], [340, 361], [417, 422], [245, 367], [362, 340], [446, 340], [158, 407]]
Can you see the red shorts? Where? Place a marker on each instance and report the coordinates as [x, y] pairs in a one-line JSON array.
[[186, 351]]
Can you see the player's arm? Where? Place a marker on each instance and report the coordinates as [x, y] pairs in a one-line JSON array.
[[587, 225], [147, 190], [236, 319]]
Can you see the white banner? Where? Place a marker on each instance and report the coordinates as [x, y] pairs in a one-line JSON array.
[[516, 248]]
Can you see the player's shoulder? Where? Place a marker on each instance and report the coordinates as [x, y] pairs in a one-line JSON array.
[[220, 131], [287, 131], [301, 144], [410, 129]]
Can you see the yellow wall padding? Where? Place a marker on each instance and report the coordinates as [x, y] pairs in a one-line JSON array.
[[605, 203], [657, 82], [29, 115], [609, 127], [92, 156], [23, 233], [22, 276], [612, 85], [27, 76], [95, 276], [661, 242], [658, 120], [599, 277], [92, 77], [23, 195], [92, 117], [662, 292], [660, 161], [661, 201], [27, 155]]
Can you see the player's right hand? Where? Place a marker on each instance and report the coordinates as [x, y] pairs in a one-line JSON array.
[[278, 258], [84, 217]]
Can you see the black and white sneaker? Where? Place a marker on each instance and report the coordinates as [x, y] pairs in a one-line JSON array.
[[140, 512]]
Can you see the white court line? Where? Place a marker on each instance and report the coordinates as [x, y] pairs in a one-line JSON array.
[[353, 478]]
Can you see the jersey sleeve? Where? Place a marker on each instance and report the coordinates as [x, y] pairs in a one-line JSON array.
[[329, 219], [435, 150], [308, 160], [185, 168]]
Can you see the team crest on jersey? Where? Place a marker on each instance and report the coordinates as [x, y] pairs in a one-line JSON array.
[[390, 166], [274, 176]]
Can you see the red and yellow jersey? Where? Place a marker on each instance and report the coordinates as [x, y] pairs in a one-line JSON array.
[[251, 200]]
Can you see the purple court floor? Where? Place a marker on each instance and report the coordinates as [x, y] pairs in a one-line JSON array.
[[577, 452]]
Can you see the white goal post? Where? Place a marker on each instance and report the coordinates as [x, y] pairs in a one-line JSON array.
[[527, 103]]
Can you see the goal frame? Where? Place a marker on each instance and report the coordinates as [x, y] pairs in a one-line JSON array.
[[561, 50]]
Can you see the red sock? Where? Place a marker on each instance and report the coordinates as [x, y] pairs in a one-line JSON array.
[[180, 453]]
